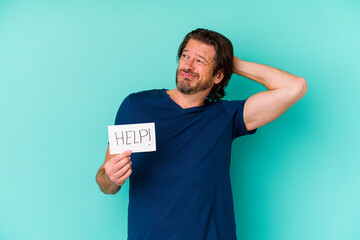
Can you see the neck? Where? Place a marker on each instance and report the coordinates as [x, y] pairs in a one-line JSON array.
[[188, 101]]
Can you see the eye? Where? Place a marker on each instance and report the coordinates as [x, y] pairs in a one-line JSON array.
[[199, 61], [185, 56]]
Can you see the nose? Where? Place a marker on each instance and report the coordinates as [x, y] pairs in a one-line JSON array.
[[189, 64]]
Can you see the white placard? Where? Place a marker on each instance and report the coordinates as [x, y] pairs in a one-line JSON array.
[[135, 137]]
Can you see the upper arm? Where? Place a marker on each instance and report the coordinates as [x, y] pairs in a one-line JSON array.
[[266, 106]]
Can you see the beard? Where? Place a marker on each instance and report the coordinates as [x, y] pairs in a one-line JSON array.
[[184, 86]]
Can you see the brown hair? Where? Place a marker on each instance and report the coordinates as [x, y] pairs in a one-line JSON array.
[[223, 58]]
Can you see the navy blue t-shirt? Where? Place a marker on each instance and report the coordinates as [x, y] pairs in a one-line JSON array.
[[182, 190]]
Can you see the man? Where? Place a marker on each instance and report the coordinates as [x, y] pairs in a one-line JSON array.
[[182, 191]]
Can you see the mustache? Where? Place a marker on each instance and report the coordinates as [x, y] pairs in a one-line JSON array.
[[188, 71]]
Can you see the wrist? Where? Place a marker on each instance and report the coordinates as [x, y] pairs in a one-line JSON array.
[[237, 64]]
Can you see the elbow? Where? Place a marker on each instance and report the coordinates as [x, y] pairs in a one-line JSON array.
[[300, 87], [304, 86]]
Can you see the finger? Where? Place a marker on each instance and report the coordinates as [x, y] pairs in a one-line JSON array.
[[120, 164], [123, 179], [112, 168], [116, 177], [122, 171], [121, 156]]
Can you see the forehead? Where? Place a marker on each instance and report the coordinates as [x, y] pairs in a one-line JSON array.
[[199, 48]]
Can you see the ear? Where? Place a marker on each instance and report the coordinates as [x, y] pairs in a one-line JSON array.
[[219, 76]]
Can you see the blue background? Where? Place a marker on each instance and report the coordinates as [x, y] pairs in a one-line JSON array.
[[65, 67]]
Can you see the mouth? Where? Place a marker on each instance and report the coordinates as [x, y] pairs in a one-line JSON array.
[[187, 75]]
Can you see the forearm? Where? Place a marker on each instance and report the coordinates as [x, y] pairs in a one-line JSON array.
[[105, 184], [272, 78]]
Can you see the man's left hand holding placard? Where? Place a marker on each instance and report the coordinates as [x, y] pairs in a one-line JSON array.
[[118, 168], [123, 141]]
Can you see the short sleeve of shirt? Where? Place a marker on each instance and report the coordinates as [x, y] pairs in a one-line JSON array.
[[123, 114], [236, 110]]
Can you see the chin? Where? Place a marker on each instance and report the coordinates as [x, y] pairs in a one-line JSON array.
[[188, 90]]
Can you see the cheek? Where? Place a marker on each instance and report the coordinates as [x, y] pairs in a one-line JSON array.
[[181, 65], [207, 72]]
